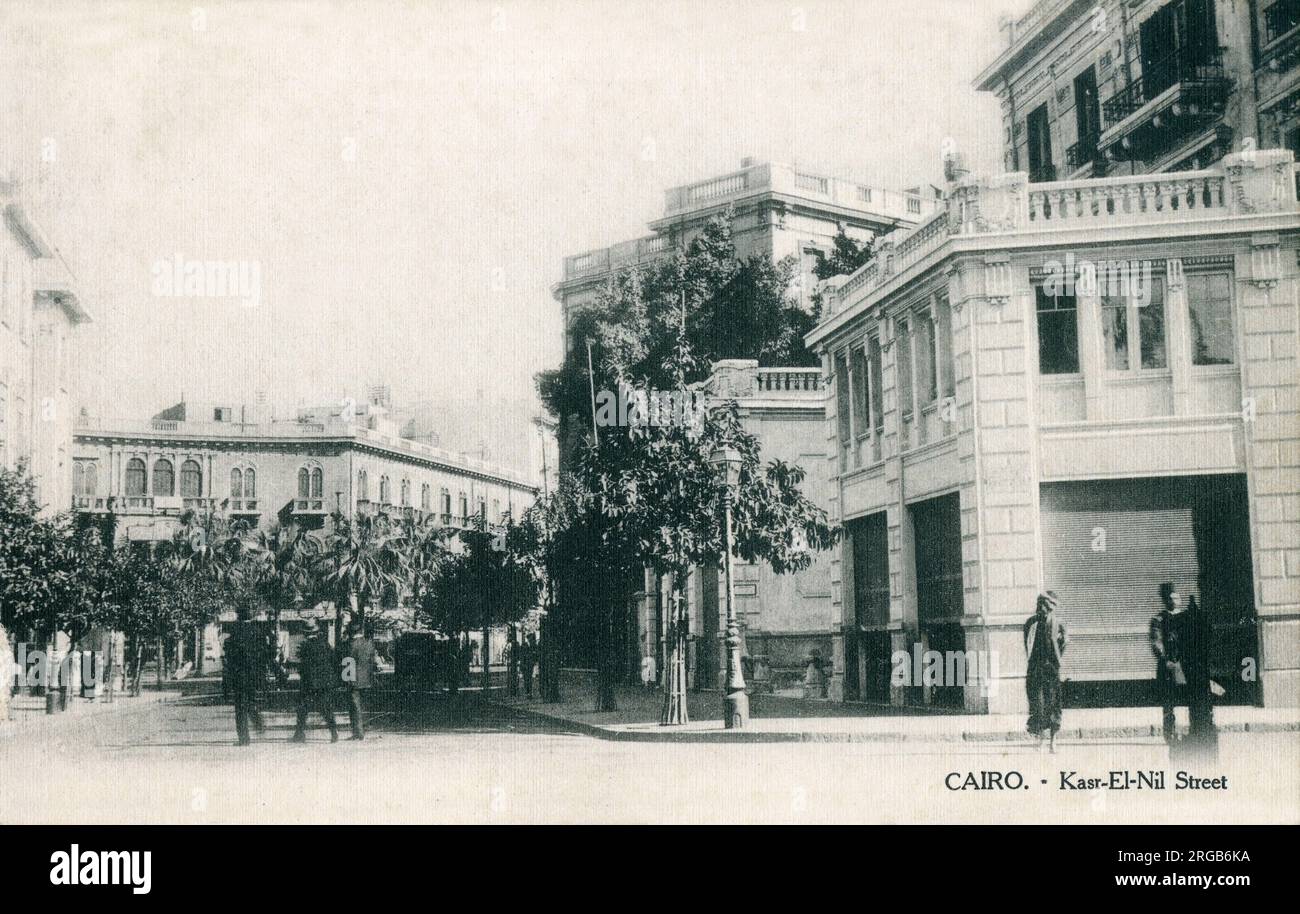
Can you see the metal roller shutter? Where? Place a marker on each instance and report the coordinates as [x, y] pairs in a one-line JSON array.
[[1108, 595]]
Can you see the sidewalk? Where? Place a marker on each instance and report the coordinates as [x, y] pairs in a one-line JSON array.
[[27, 712], [776, 719]]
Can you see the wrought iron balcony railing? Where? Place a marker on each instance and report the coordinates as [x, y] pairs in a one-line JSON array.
[[1203, 78]]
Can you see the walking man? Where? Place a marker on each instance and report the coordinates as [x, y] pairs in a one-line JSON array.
[[1171, 680], [359, 664], [244, 665], [318, 672], [1045, 641]]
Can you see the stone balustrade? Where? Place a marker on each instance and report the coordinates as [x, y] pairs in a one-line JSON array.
[[1257, 182]]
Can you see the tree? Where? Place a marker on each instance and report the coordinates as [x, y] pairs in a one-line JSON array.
[[489, 582], [362, 563], [657, 492], [848, 255]]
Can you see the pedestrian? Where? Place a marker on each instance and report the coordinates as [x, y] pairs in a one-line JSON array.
[[814, 676], [318, 672], [359, 665], [1171, 679], [244, 671], [528, 662], [1045, 641], [649, 673], [1196, 638]]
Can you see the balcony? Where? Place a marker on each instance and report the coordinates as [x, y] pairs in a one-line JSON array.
[[1174, 97], [309, 506], [243, 506], [1084, 153], [92, 503]]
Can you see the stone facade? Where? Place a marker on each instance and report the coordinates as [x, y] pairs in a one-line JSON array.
[[40, 309], [981, 418], [1113, 87]]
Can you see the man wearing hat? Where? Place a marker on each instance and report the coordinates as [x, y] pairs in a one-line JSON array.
[[319, 673], [1045, 642]]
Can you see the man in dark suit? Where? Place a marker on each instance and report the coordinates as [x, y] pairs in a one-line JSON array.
[[1171, 681], [318, 672], [244, 666], [359, 662]]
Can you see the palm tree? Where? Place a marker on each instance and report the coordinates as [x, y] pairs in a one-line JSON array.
[[363, 560]]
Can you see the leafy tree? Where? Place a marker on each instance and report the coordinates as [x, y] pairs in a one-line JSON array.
[[363, 562], [848, 255]]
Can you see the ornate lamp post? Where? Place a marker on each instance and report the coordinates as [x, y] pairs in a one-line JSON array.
[[735, 707]]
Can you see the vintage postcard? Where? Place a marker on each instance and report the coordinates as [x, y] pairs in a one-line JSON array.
[[609, 411]]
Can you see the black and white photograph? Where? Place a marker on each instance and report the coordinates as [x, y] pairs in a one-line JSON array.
[[533, 412]]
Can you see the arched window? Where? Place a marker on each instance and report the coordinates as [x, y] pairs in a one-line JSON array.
[[383, 490], [164, 478], [135, 476], [250, 483], [317, 482], [363, 486], [406, 492], [446, 505], [191, 479], [304, 483], [236, 483], [463, 506], [424, 497], [85, 477]]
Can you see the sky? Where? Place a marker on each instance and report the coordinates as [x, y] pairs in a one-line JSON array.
[[405, 178]]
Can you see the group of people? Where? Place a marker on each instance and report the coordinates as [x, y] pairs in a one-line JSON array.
[[322, 670], [526, 660], [1181, 642]]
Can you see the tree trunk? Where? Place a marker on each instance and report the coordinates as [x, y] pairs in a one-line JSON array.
[[162, 661], [605, 700], [675, 710]]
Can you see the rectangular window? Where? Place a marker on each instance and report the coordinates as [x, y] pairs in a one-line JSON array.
[[1087, 114], [1209, 305], [1058, 333], [861, 394], [842, 407], [877, 384], [1129, 318], [947, 370], [927, 378], [1040, 145], [904, 343]]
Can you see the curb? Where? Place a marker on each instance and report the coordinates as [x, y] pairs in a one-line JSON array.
[[52, 721], [667, 735]]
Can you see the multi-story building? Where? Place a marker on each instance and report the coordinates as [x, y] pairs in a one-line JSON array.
[[40, 309], [1089, 386], [785, 619], [243, 464], [779, 210], [1121, 87], [247, 465]]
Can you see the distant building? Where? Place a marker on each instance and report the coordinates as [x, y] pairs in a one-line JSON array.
[[779, 210], [244, 464], [40, 309], [1122, 87]]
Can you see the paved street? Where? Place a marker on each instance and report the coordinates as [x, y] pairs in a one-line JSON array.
[[457, 760]]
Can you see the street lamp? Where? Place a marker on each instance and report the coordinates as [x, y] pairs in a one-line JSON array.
[[735, 706]]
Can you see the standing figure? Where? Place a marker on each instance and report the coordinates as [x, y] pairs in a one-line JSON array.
[[359, 666], [244, 668], [528, 662], [649, 673], [318, 672], [1196, 638], [1045, 641], [1164, 632]]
